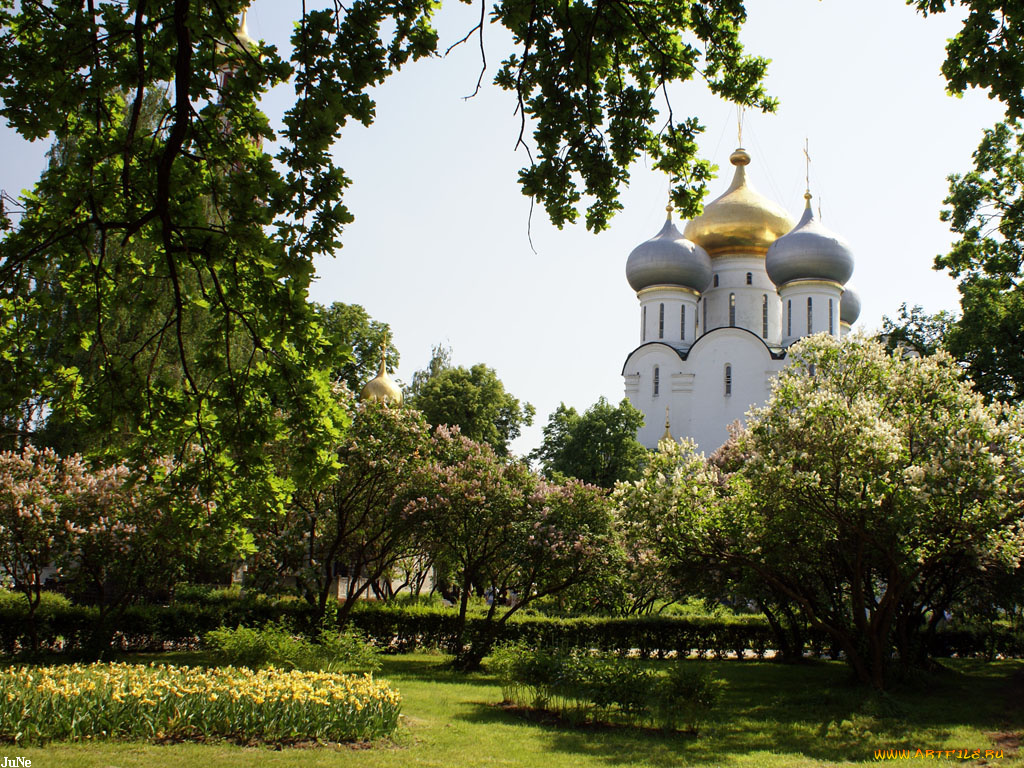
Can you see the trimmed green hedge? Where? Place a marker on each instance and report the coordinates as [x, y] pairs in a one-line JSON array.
[[63, 627], [408, 629]]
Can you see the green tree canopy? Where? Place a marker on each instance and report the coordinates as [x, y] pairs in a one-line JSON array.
[[355, 342], [355, 523], [440, 360], [987, 212], [916, 330], [597, 447], [474, 399]]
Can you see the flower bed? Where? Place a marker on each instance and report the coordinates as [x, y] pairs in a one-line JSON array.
[[130, 701]]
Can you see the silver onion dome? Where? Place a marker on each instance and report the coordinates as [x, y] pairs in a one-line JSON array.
[[668, 258], [809, 251], [849, 306]]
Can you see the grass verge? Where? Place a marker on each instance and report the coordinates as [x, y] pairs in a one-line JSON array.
[[769, 715]]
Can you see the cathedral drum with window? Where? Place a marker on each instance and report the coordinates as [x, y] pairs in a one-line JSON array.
[[721, 302]]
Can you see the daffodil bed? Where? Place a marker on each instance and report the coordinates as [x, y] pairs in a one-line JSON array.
[[133, 701]]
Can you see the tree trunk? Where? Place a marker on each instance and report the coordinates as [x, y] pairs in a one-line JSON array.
[[458, 642]]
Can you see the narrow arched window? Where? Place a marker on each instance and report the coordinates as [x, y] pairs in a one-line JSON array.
[[764, 317], [661, 321], [705, 315], [831, 324], [716, 281], [810, 315], [682, 322], [750, 278], [656, 382], [643, 324], [732, 309], [728, 380], [789, 317]]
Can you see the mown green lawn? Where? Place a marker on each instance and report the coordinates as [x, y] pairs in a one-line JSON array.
[[769, 715]]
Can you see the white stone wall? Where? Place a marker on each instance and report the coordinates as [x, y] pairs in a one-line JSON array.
[[694, 389], [732, 271], [675, 300], [820, 292]]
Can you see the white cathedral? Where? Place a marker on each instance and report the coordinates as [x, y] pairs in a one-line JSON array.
[[721, 303]]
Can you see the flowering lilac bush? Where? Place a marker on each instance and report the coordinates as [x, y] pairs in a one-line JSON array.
[[107, 532], [868, 495], [495, 527]]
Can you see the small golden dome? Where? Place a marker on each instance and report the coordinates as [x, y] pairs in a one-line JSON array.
[[381, 387], [741, 220]]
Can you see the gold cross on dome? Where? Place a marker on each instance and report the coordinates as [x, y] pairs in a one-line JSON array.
[[807, 163]]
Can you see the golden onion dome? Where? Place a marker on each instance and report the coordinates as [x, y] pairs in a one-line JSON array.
[[741, 220], [381, 387]]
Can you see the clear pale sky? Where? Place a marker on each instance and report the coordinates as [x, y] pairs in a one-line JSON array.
[[440, 247]]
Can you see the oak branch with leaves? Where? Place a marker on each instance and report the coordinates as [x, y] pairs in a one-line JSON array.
[[177, 253]]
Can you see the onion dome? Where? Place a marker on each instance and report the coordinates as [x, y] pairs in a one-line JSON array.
[[668, 259], [809, 252], [381, 387], [741, 220], [849, 306]]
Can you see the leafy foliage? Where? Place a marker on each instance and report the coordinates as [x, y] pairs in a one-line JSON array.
[[597, 447], [987, 212], [109, 533], [274, 645], [582, 686], [916, 331], [175, 252], [985, 52], [169, 206], [35, 490], [475, 401], [588, 76], [354, 524], [986, 205], [440, 360]]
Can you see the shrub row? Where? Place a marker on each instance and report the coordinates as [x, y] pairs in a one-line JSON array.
[[400, 629], [581, 686], [62, 626], [274, 645], [403, 630]]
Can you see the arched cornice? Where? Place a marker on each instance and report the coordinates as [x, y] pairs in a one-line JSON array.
[[776, 354], [679, 352]]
